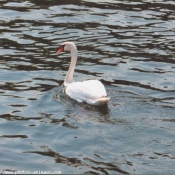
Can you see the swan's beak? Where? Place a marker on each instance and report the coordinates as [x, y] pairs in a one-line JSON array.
[[61, 49]]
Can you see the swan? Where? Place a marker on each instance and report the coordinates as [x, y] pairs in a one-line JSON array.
[[90, 91]]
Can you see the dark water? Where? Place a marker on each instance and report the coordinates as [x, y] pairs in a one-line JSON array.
[[129, 46]]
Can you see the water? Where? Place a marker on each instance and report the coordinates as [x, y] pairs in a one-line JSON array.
[[129, 46]]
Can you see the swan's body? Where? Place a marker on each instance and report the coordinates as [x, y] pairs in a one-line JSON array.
[[91, 91]]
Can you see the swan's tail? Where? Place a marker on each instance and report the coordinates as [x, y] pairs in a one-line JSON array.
[[101, 101]]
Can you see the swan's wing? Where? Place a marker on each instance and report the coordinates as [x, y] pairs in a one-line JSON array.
[[83, 91]]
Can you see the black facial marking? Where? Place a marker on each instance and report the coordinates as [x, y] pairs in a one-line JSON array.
[[62, 46]]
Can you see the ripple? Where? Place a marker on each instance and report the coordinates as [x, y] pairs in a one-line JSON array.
[[15, 136], [75, 162]]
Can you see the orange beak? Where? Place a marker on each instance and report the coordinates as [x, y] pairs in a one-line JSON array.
[[60, 50]]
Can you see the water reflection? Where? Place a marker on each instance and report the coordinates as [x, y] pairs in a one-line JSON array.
[[56, 102]]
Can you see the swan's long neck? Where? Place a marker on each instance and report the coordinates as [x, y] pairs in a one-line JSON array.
[[69, 76]]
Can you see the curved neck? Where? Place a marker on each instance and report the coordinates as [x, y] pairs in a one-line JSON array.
[[69, 76]]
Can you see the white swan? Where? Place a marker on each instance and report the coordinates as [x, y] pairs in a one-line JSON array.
[[91, 91]]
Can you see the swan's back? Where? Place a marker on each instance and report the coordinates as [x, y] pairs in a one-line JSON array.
[[90, 91]]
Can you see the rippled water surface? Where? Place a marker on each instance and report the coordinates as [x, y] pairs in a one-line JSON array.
[[129, 46]]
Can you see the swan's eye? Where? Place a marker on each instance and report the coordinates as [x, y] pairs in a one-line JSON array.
[[61, 49]]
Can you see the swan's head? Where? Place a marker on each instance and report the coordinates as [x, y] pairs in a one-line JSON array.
[[66, 46]]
